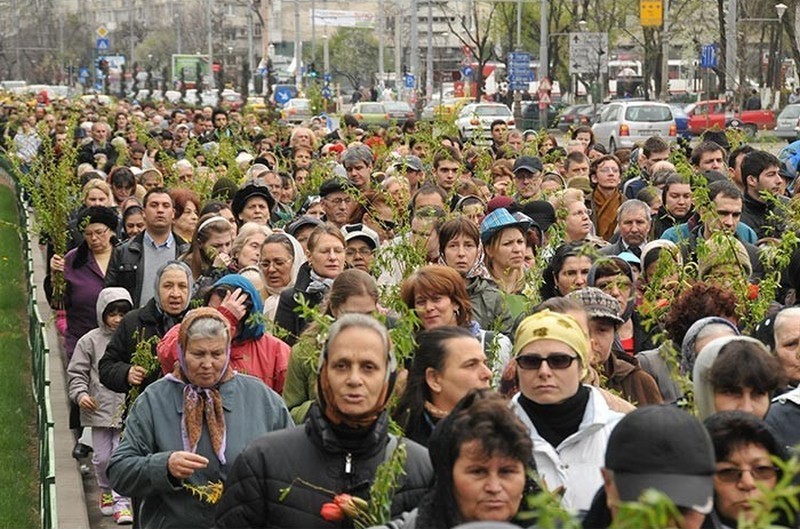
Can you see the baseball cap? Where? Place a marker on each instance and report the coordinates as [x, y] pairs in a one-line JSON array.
[[360, 231], [664, 448], [411, 162], [597, 304], [528, 163]]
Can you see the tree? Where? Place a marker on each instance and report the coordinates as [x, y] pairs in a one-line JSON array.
[[474, 30], [353, 55]]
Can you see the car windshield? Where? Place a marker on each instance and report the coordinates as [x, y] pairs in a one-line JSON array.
[[492, 111], [649, 114], [372, 109], [300, 103], [792, 111]]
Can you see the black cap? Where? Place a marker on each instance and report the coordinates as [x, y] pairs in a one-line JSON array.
[[541, 212], [334, 185], [300, 222], [98, 215], [664, 448], [245, 193], [528, 163]]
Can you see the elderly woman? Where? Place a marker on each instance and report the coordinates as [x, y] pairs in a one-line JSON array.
[[184, 433], [448, 362], [281, 258], [569, 422], [326, 249], [352, 292], [460, 248], [246, 247], [503, 238], [167, 307], [568, 270], [481, 455], [744, 448], [735, 373], [338, 449], [253, 350], [437, 295]]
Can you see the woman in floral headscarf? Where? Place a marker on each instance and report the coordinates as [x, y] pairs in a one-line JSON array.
[[211, 409]]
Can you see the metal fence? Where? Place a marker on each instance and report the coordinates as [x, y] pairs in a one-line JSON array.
[[40, 369]]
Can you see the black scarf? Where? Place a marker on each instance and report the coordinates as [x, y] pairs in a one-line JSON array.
[[556, 422]]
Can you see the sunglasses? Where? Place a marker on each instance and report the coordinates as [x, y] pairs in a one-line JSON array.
[[554, 361], [734, 475]]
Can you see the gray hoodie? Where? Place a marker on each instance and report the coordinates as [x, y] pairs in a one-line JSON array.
[[84, 378]]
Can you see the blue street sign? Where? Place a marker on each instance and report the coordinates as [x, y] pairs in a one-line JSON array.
[[467, 71], [102, 43], [326, 92], [283, 94], [410, 81], [99, 86], [519, 70], [83, 73], [327, 78], [708, 56]]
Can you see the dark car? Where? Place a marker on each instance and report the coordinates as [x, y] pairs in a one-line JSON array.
[[575, 116], [530, 115]]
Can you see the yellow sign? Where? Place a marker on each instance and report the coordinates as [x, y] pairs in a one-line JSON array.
[[651, 13], [102, 32]]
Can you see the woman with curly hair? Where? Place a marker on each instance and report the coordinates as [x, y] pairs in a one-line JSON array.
[[698, 302]]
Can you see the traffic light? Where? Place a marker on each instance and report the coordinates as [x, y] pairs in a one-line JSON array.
[[312, 70]]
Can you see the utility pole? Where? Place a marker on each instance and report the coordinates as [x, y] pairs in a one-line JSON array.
[[381, 27], [413, 46], [313, 30], [730, 49], [176, 17], [544, 72], [429, 65], [251, 56], [131, 43], [665, 34], [298, 57], [210, 30], [398, 53]]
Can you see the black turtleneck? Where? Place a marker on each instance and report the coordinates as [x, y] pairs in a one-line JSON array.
[[556, 422]]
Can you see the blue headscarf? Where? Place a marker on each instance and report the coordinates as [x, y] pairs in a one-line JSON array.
[[253, 327]]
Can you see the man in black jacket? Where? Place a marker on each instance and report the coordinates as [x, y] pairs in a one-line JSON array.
[[762, 179], [99, 153], [134, 264]]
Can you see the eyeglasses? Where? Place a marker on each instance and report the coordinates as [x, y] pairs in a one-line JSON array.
[[364, 252], [554, 361], [734, 475], [387, 225], [95, 233], [277, 264], [339, 201]]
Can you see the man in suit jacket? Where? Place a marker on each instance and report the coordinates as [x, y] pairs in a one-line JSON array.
[[633, 220]]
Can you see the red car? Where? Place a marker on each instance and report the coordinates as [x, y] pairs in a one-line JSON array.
[[709, 114]]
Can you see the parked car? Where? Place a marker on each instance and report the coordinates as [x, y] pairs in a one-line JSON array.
[[475, 120], [715, 113], [370, 114], [231, 100], [296, 110], [530, 115], [399, 111], [788, 127], [625, 123], [681, 119], [574, 116]]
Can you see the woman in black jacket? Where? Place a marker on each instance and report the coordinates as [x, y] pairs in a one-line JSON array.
[[337, 450], [325, 262], [167, 308]]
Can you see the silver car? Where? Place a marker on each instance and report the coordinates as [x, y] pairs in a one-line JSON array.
[[789, 123], [474, 122], [626, 123]]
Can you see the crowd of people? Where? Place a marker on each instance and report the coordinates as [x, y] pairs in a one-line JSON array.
[[258, 318]]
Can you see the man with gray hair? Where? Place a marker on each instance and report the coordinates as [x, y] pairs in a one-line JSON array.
[[633, 220], [357, 161]]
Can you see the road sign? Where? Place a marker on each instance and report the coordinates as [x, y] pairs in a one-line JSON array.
[[102, 44], [588, 53], [519, 70], [283, 94], [83, 73], [411, 81], [327, 78], [326, 92], [467, 71], [708, 56], [102, 32], [651, 13], [545, 85]]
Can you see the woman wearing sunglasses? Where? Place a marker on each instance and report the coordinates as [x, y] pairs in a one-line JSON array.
[[569, 421], [744, 448]]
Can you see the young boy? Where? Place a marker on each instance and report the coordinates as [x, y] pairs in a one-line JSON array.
[[100, 407]]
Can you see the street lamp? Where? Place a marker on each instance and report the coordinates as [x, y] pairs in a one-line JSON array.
[[731, 48]]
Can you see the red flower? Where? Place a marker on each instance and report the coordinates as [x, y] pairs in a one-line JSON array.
[[752, 292], [352, 506], [331, 512]]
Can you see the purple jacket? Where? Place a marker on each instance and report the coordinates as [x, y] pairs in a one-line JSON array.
[[85, 280]]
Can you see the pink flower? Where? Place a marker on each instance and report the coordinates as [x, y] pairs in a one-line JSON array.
[[331, 512]]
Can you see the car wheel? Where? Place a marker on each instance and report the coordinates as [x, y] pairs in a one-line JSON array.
[[751, 130], [612, 146]]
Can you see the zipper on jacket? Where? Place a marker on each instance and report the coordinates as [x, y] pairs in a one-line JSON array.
[[348, 463]]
